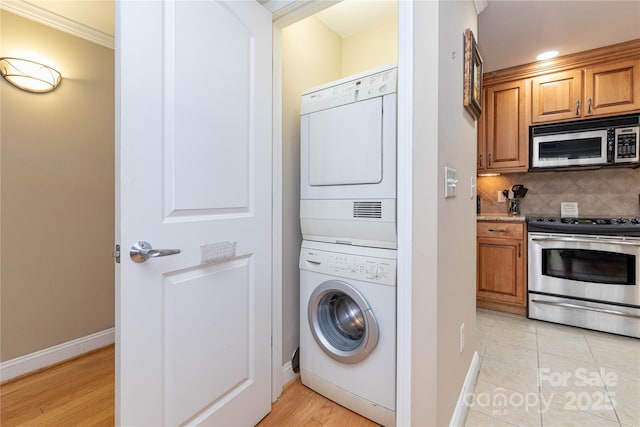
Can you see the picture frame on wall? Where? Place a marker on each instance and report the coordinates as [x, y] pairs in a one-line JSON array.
[[472, 99]]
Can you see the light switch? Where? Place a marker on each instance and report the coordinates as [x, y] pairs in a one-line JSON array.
[[450, 182], [473, 187]]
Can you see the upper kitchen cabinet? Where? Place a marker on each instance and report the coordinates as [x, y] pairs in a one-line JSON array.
[[556, 96], [612, 88], [503, 131], [606, 89]]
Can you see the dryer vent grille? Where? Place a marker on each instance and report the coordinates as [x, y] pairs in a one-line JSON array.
[[367, 209]]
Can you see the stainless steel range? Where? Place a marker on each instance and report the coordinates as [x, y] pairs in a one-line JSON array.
[[585, 272]]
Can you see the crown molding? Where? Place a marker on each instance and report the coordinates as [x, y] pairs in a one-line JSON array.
[[42, 16]]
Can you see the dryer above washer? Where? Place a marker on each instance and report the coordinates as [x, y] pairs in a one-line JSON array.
[[348, 160]]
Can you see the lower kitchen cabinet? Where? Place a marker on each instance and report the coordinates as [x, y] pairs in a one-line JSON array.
[[501, 266]]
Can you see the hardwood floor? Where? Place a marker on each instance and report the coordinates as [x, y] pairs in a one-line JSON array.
[[80, 392], [299, 406]]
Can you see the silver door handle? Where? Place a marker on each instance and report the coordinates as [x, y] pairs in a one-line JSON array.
[[582, 307], [142, 251], [585, 240]]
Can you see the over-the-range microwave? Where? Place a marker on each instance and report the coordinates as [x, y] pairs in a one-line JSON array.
[[588, 143]]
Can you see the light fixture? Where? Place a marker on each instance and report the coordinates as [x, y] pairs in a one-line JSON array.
[[547, 55], [489, 174], [29, 75]]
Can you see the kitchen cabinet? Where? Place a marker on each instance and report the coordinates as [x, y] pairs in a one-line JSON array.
[[503, 135], [556, 96], [612, 88], [501, 266], [605, 89]]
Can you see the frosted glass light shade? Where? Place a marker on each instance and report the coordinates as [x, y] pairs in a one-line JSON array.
[[29, 75]]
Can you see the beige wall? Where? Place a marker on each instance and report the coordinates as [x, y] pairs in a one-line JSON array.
[[457, 144], [604, 192], [57, 155], [311, 55], [443, 288], [370, 49]]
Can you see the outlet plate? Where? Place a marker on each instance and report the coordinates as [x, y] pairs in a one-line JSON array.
[[501, 197]]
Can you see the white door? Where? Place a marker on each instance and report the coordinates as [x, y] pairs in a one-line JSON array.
[[194, 158]]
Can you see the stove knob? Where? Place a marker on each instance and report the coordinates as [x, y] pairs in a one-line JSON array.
[[539, 219], [551, 220]]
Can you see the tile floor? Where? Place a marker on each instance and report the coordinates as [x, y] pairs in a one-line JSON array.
[[536, 373]]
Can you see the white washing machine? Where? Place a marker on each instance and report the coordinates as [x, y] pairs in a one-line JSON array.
[[348, 326]]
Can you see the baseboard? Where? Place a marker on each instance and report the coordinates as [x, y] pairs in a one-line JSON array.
[[460, 413], [287, 374], [49, 356]]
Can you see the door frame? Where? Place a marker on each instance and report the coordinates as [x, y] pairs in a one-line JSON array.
[[286, 13]]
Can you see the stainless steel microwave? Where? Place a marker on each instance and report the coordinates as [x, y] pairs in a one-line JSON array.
[[596, 142]]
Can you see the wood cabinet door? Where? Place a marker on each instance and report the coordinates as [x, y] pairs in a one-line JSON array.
[[557, 96], [612, 88], [506, 128], [501, 270]]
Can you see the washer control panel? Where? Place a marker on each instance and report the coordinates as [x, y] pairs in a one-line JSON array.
[[364, 268]]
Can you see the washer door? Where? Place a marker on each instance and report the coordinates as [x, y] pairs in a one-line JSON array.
[[342, 322]]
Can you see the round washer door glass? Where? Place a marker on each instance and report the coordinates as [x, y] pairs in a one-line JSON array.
[[341, 321]]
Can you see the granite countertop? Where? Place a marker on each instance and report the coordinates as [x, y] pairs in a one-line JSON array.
[[501, 217]]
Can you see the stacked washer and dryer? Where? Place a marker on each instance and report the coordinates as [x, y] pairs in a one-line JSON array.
[[348, 254]]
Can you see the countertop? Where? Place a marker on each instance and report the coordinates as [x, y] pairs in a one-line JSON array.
[[501, 217]]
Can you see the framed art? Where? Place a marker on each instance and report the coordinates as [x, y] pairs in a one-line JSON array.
[[472, 75]]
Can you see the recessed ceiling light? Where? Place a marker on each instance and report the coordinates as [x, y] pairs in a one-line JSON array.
[[547, 55]]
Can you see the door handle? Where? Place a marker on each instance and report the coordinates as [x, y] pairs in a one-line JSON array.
[[142, 251], [578, 107]]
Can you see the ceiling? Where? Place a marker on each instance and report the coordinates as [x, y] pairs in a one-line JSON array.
[[514, 32], [510, 32]]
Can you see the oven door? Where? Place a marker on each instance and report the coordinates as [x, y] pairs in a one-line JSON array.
[[595, 268]]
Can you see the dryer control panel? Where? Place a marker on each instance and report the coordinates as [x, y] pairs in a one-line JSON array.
[[379, 82], [351, 266]]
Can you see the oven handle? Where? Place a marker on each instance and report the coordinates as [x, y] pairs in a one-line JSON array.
[[584, 240], [581, 307]]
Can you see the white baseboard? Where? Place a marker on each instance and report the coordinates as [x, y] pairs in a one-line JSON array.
[[49, 356], [287, 373], [460, 413]]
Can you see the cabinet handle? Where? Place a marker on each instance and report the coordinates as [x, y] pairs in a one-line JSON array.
[[578, 107], [480, 160], [498, 230], [519, 250], [489, 160], [589, 103]]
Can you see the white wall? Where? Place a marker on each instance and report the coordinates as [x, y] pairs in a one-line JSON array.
[[443, 284]]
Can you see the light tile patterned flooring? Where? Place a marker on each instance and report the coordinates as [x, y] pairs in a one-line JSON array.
[[536, 373]]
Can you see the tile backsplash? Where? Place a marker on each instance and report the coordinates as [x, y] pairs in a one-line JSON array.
[[603, 192]]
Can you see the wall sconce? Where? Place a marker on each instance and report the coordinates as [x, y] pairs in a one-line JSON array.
[[29, 75]]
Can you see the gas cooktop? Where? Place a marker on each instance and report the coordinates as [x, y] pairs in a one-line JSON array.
[[605, 226]]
